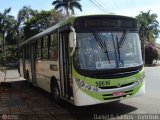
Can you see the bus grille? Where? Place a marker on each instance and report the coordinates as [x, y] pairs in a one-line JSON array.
[[113, 87]]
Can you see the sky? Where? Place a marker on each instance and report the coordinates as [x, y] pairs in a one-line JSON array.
[[120, 7]]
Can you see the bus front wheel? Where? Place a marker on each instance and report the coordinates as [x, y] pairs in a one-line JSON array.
[[55, 92]]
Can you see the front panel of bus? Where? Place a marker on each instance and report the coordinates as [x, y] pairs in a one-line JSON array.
[[107, 63]]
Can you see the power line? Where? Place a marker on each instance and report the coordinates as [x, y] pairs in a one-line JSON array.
[[97, 6], [134, 6], [105, 5], [131, 6], [101, 6], [117, 5]]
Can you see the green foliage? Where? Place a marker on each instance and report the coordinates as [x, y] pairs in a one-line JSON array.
[[8, 27], [25, 14], [151, 54], [2, 60], [9, 55], [41, 21], [68, 5], [148, 26]]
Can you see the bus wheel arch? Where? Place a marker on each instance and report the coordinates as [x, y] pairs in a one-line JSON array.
[[55, 89]]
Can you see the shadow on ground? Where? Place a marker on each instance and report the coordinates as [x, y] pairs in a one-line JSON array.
[[101, 111], [33, 103]]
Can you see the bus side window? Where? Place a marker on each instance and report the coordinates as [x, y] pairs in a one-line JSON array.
[[53, 49], [27, 52], [38, 52], [44, 43]]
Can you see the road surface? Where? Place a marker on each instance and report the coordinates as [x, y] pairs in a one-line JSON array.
[[39, 103]]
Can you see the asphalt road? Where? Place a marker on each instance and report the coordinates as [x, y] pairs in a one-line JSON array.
[[139, 107], [143, 105], [150, 102]]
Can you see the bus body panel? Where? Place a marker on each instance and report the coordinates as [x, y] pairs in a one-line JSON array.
[[44, 74], [82, 99]]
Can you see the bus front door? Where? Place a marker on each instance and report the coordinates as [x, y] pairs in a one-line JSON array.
[[65, 67]]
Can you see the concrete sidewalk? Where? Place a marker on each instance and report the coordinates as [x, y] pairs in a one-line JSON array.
[[11, 75], [23, 102]]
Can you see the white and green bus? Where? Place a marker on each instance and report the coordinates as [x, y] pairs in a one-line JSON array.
[[86, 59]]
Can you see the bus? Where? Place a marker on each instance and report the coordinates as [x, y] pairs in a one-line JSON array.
[[86, 60]]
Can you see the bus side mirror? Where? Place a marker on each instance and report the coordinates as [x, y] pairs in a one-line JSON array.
[[72, 40]]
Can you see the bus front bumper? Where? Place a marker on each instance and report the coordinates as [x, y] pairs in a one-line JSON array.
[[82, 98]]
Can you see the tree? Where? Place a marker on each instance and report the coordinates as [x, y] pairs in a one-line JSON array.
[[7, 27], [148, 26], [11, 31], [41, 21], [11, 54], [4, 25], [68, 5], [148, 29], [25, 14], [151, 53]]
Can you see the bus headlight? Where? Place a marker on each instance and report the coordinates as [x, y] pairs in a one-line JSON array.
[[85, 86], [95, 89], [88, 87], [136, 83], [139, 81], [80, 83]]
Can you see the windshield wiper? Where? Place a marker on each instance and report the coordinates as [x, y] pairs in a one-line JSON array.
[[122, 39], [118, 50], [102, 44], [119, 45]]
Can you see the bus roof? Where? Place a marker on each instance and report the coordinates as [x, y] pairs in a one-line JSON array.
[[70, 20]]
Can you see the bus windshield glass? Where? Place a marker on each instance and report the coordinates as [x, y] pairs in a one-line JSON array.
[[107, 50]]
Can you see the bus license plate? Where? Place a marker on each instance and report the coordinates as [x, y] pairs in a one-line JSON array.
[[120, 93]]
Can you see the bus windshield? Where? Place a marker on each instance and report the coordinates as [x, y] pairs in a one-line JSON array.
[[107, 50]]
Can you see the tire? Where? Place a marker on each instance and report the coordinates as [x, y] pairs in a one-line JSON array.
[[55, 91]]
